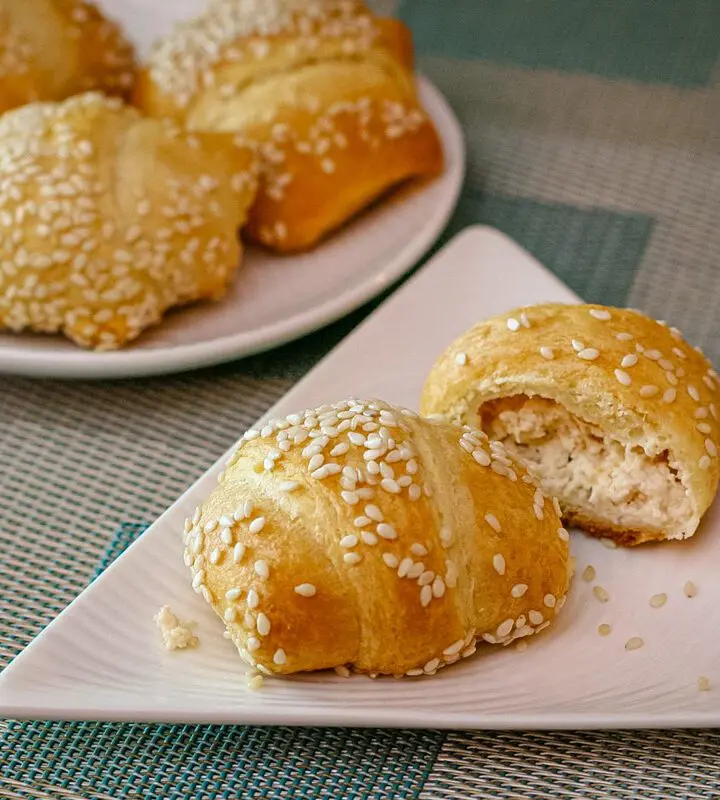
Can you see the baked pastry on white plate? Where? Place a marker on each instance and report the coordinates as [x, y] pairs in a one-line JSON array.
[[359, 535], [613, 412]]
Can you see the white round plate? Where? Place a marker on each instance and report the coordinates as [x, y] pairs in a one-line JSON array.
[[276, 298]]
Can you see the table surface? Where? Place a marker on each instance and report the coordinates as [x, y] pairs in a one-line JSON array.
[[593, 141]]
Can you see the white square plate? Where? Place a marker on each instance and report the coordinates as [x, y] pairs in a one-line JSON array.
[[102, 657]]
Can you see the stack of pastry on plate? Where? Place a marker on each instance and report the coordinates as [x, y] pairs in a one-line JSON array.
[[364, 537], [283, 118]]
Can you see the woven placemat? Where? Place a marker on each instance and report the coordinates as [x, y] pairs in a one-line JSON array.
[[592, 140]]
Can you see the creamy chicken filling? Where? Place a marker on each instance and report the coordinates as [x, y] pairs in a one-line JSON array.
[[590, 473]]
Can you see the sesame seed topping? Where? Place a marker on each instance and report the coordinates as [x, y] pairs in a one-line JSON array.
[[238, 552], [535, 617], [390, 559], [653, 355], [493, 522], [373, 512], [563, 535], [665, 364], [550, 600], [634, 643], [454, 648], [629, 360], [257, 525], [233, 594], [669, 396], [704, 462], [279, 657], [226, 536], [386, 531], [589, 573], [671, 379], [604, 629], [658, 600], [288, 486], [426, 577], [504, 628], [349, 541], [451, 573], [519, 589], [623, 377], [588, 354], [513, 324], [461, 359], [690, 590], [253, 598], [426, 595], [577, 345], [418, 549], [390, 486], [481, 457], [694, 394], [438, 587], [649, 390], [352, 558], [624, 337], [600, 313], [210, 526], [253, 644], [498, 561], [711, 448], [609, 543], [305, 590], [261, 569], [601, 594], [350, 498], [547, 353], [262, 624], [703, 427]]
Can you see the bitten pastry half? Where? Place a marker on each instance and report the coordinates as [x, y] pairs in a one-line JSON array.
[[613, 412], [108, 219], [325, 88], [52, 49], [360, 535]]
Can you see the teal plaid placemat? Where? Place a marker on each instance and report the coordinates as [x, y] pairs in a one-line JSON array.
[[593, 140]]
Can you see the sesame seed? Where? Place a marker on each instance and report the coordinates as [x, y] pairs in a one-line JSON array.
[[609, 543], [230, 614], [535, 617], [426, 595], [550, 600], [238, 552], [547, 353], [703, 427], [653, 355], [629, 360], [233, 594], [669, 396], [519, 589], [340, 449], [624, 337], [215, 556], [253, 644], [418, 549], [524, 320], [703, 684], [513, 324], [288, 486], [348, 541], [414, 492], [257, 525], [454, 648], [262, 624], [663, 363], [350, 498], [426, 577], [305, 590], [226, 536], [634, 643], [658, 600], [589, 573], [711, 448], [255, 682], [623, 377], [604, 629], [342, 671], [600, 313], [713, 410], [438, 587], [451, 573], [253, 598], [373, 512], [690, 590], [504, 628], [680, 353], [210, 526], [498, 561], [481, 457], [261, 569], [368, 538], [601, 594], [316, 462], [704, 462], [361, 521], [279, 657], [390, 486], [352, 558], [226, 522], [390, 559], [461, 359], [386, 531], [577, 345], [404, 567], [416, 570], [538, 512], [649, 390], [588, 354], [693, 392], [563, 535], [671, 379]]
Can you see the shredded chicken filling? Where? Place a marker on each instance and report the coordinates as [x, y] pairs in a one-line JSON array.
[[590, 473]]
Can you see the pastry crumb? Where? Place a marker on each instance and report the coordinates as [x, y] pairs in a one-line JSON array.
[[177, 635], [255, 681], [604, 629], [703, 684], [690, 590], [521, 646]]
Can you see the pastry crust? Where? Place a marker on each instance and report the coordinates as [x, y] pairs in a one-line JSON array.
[[52, 49], [358, 534], [110, 219], [324, 88], [633, 381]]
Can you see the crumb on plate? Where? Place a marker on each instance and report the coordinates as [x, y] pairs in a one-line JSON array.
[[177, 635]]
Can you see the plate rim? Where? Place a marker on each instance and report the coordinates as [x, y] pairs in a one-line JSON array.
[[170, 359]]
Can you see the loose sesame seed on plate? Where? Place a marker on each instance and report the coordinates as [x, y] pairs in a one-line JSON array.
[[658, 600], [589, 573], [604, 629], [279, 657], [609, 543], [305, 590], [634, 643], [601, 594], [518, 590], [690, 589]]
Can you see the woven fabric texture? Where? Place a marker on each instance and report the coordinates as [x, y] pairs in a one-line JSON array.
[[592, 134]]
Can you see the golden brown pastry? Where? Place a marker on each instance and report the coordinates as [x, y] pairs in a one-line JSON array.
[[52, 49], [614, 413], [108, 219], [324, 87], [360, 535]]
